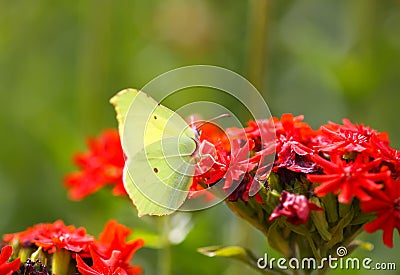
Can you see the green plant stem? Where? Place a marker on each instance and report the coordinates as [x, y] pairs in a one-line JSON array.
[[164, 257], [353, 236], [257, 41], [92, 70], [247, 214], [61, 261]]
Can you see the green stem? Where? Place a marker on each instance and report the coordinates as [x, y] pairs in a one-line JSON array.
[[349, 239], [39, 255], [61, 261], [24, 253], [164, 257], [92, 70], [257, 41], [247, 213]]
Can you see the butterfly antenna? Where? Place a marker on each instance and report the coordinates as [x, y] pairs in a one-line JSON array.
[[213, 119]]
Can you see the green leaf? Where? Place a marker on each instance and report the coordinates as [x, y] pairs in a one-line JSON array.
[[319, 220], [337, 231], [276, 239], [234, 252], [331, 207], [344, 208], [364, 245], [303, 231]]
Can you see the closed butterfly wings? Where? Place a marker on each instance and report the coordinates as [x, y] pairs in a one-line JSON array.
[[158, 144]]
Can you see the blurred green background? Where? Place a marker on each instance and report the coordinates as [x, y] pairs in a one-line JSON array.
[[62, 60]]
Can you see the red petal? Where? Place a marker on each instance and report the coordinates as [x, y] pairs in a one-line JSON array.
[[378, 223], [327, 187]]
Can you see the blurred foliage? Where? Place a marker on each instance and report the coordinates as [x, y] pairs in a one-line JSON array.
[[60, 62]]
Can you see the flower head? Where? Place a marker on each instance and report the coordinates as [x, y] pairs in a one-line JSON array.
[[7, 267], [352, 179], [105, 266], [349, 137], [114, 238], [101, 165], [111, 254], [386, 205], [68, 248], [295, 207], [53, 236]]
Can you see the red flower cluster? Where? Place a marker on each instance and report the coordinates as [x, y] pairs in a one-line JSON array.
[[101, 165], [7, 267], [53, 236], [110, 254], [350, 160]]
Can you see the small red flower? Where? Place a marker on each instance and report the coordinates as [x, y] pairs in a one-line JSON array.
[[101, 165], [53, 236], [262, 132], [239, 162], [294, 156], [352, 179], [7, 267], [295, 207], [213, 174], [293, 128], [349, 137], [386, 205], [105, 266], [114, 238]]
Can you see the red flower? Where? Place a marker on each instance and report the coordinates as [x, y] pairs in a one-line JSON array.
[[239, 163], [53, 236], [349, 137], [213, 174], [114, 238], [386, 205], [111, 254], [294, 142], [388, 154], [294, 156], [294, 128], [101, 165], [353, 179], [6, 267], [105, 266], [212, 133], [296, 207]]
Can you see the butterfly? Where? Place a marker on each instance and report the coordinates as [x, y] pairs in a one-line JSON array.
[[161, 150]]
